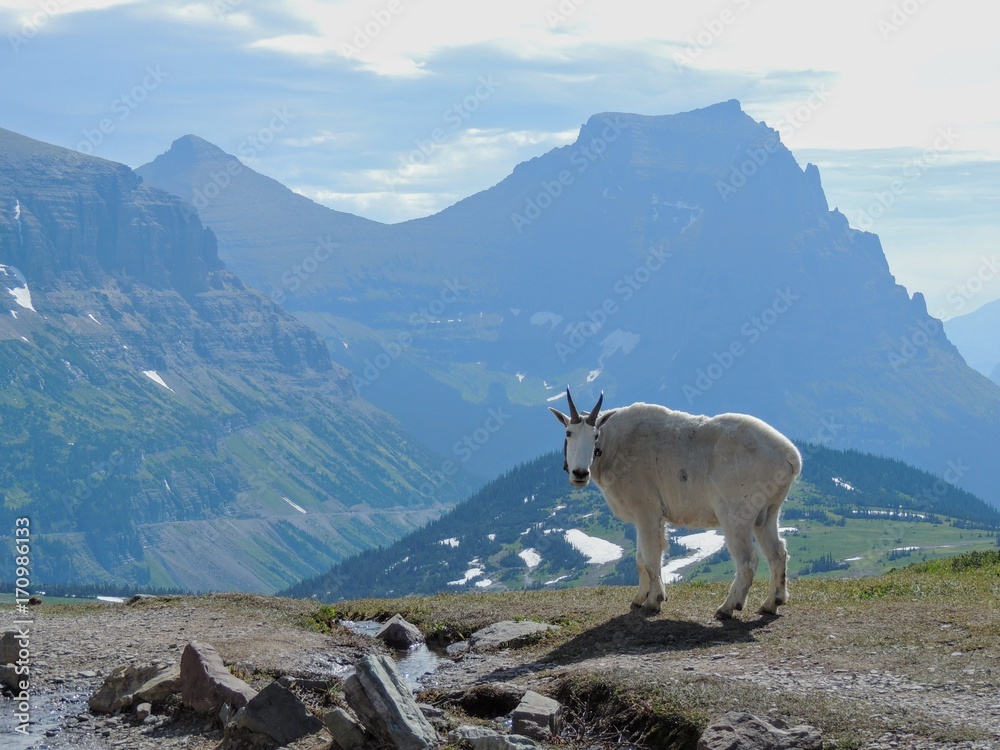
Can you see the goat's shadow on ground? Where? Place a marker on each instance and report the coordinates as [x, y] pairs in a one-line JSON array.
[[634, 633]]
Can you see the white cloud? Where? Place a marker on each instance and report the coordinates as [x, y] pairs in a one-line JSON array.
[[433, 174], [894, 76], [210, 13], [366, 88], [324, 136], [27, 10]]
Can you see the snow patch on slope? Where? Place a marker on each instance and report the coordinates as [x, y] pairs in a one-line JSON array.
[[155, 377], [705, 544], [299, 508], [470, 574], [17, 286], [531, 557], [596, 550]]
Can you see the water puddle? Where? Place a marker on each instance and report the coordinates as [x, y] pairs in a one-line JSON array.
[[48, 714], [414, 663]]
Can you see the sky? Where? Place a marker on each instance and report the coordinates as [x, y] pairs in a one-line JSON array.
[[394, 109]]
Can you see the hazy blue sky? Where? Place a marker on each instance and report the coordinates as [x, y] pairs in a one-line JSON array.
[[896, 101]]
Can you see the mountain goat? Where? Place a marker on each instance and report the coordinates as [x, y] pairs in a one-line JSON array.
[[655, 465]]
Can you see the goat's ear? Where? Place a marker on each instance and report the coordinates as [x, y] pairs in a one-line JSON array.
[[604, 418], [560, 416]]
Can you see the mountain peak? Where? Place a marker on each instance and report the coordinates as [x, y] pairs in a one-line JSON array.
[[190, 149], [723, 113]]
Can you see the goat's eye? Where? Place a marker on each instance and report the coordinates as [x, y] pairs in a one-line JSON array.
[[569, 434]]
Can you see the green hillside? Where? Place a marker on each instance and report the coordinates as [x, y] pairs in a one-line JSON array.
[[850, 514], [162, 424]]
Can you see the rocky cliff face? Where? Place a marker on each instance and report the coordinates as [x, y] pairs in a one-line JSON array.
[[162, 422], [88, 216], [684, 259]]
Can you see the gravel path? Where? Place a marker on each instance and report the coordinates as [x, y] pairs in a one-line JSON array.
[[925, 696], [71, 656]]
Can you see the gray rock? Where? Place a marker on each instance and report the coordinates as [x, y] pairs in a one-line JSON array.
[[431, 712], [736, 730], [482, 738], [9, 677], [537, 717], [9, 647], [348, 734], [398, 633], [377, 694], [206, 683], [276, 712], [160, 687], [143, 711], [121, 688], [436, 716], [226, 714], [508, 634]]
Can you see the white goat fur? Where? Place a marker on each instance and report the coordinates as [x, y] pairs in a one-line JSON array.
[[657, 466]]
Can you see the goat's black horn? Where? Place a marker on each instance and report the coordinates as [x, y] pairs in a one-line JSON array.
[[574, 415], [592, 417]]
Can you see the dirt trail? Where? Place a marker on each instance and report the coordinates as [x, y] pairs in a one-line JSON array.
[[938, 687]]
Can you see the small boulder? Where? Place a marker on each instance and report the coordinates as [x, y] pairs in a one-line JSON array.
[[159, 687], [9, 677], [737, 730], [378, 695], [537, 717], [9, 647], [348, 734], [276, 712], [482, 738], [121, 688], [508, 634], [206, 684], [226, 714], [143, 711], [398, 633]]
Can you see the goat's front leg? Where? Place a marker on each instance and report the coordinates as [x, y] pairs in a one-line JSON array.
[[649, 542], [643, 593]]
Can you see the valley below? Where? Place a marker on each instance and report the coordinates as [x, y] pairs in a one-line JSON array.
[[906, 659]]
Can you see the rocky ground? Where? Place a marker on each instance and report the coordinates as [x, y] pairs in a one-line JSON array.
[[883, 670]]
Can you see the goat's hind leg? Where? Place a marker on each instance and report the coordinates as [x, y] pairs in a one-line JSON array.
[[777, 560], [745, 560]]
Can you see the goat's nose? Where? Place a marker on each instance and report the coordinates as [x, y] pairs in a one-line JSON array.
[[581, 473]]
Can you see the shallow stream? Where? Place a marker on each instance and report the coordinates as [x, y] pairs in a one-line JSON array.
[[413, 664]]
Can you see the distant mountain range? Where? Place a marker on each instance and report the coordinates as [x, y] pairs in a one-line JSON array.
[[850, 513], [684, 259], [163, 424], [977, 336]]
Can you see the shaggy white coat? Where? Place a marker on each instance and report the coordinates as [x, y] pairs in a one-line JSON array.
[[657, 466]]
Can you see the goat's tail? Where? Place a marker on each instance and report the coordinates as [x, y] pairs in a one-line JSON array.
[[794, 459]]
